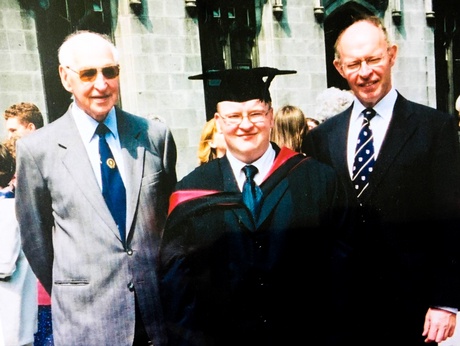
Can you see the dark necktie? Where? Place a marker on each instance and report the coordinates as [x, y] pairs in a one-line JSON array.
[[113, 188], [252, 194], [364, 154]]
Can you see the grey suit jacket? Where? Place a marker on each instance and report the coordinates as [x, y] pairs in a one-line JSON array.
[[72, 241]]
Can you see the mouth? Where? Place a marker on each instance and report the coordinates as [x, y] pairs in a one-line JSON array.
[[368, 84], [101, 97], [247, 135]]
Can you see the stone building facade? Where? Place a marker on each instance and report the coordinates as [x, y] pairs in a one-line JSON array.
[[160, 47]]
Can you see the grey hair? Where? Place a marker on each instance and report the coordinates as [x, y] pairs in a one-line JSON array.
[[332, 101], [72, 41]]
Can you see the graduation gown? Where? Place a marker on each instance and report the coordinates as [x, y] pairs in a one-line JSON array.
[[229, 280]]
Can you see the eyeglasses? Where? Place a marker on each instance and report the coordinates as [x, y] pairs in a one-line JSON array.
[[371, 62], [90, 74], [237, 118]]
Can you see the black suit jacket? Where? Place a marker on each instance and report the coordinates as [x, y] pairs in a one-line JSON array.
[[403, 253]]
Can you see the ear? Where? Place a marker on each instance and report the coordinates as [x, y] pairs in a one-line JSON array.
[[393, 53], [65, 78], [338, 67], [31, 127]]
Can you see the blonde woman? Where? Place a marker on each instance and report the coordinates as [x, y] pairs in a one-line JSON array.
[[289, 127], [212, 144]]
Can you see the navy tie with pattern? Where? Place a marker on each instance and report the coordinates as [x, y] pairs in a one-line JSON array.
[[364, 154], [113, 188], [252, 194]]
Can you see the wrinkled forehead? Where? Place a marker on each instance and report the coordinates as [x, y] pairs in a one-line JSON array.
[[361, 39], [88, 50]]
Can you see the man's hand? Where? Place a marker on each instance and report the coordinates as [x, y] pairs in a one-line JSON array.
[[439, 325]]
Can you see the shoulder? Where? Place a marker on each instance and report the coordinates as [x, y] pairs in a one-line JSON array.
[[207, 176], [139, 126], [128, 119], [317, 169], [422, 111], [333, 123], [55, 127]]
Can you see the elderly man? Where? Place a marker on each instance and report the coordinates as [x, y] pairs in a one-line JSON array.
[[92, 200], [400, 162]]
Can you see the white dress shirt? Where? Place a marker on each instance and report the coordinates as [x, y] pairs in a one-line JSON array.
[[263, 164], [18, 284], [379, 125], [87, 128]]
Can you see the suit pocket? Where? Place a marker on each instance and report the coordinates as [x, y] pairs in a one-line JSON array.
[[71, 282]]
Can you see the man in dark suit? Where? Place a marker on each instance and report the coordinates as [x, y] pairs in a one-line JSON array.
[[397, 279], [103, 282], [237, 270]]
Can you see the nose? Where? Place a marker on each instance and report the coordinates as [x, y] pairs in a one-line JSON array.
[[364, 69], [245, 122], [100, 81]]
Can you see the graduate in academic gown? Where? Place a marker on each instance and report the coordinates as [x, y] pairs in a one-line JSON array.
[[229, 276]]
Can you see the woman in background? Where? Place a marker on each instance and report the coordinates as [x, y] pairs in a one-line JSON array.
[[212, 144], [289, 128]]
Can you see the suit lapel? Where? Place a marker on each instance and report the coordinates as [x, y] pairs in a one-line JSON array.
[[275, 184], [338, 153], [271, 200], [399, 131], [133, 151], [74, 157]]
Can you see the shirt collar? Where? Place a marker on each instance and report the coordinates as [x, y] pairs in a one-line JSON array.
[[263, 164], [384, 108], [87, 125]]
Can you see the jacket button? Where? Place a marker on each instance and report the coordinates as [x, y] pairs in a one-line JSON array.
[[131, 286], [129, 252]]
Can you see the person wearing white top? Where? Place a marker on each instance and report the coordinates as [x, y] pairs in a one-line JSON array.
[[18, 284]]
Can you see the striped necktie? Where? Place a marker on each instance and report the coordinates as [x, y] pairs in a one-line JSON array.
[[364, 154]]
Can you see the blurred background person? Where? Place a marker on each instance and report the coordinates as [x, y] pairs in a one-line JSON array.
[[18, 284], [22, 118], [289, 127], [212, 143], [311, 123], [332, 101]]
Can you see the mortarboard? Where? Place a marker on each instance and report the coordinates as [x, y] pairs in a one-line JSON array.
[[241, 85]]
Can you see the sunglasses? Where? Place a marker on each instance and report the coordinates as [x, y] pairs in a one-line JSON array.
[[90, 74]]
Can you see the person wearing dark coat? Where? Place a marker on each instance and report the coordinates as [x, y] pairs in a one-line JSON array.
[[399, 269], [235, 272]]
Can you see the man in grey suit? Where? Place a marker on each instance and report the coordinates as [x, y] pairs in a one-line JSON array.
[[103, 287], [397, 275]]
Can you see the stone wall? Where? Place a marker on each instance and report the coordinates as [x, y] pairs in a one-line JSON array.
[[160, 48], [20, 71]]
